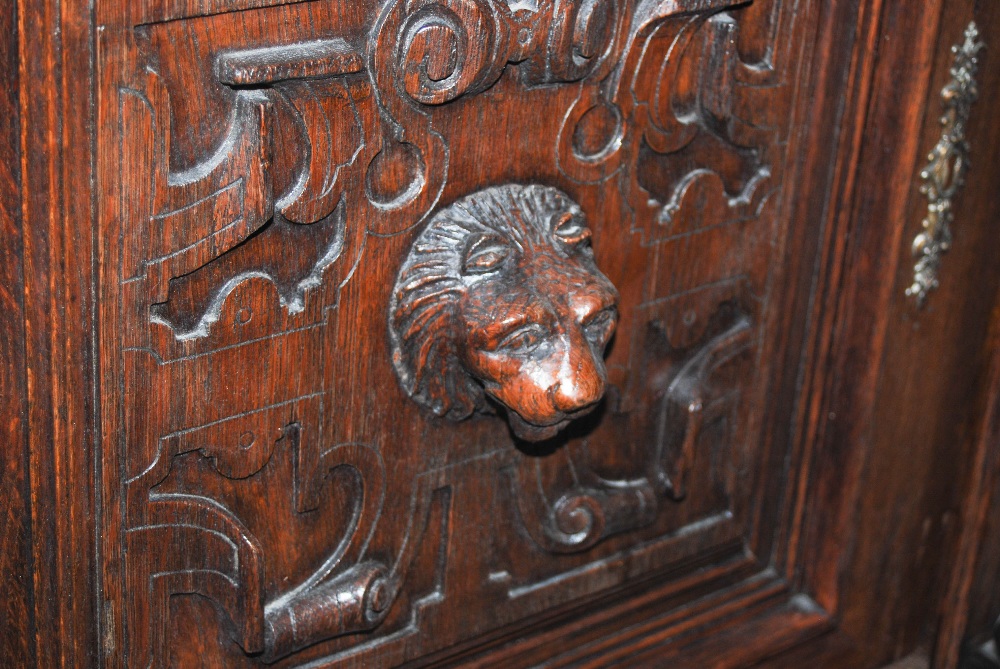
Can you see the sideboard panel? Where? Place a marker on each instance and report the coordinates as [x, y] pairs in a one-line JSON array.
[[566, 333], [274, 493]]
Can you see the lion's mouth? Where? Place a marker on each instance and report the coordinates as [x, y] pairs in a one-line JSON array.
[[533, 432]]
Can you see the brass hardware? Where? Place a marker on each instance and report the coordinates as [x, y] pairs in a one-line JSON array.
[[947, 164]]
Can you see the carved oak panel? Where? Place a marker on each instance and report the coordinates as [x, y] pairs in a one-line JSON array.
[[275, 495]]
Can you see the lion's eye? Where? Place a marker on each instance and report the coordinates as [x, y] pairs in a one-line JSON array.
[[571, 229], [485, 255], [523, 339], [599, 328]]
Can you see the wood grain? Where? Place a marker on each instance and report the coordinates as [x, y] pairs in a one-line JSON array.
[[257, 431], [234, 377], [55, 94], [16, 612]]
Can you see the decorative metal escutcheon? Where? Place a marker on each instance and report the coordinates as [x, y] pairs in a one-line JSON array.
[[500, 303], [944, 174]]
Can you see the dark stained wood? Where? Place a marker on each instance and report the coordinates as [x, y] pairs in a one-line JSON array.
[[57, 212], [480, 333], [927, 407], [916, 417], [866, 242], [971, 604], [239, 368], [970, 608], [16, 610]]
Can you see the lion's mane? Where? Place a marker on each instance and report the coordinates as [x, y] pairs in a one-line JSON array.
[[424, 299]]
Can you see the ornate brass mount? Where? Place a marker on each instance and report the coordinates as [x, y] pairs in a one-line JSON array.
[[500, 297], [948, 162]]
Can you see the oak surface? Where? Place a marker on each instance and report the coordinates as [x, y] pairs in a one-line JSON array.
[[696, 421]]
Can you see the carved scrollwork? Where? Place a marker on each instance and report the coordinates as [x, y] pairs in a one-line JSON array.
[[231, 271], [590, 511], [499, 297], [347, 593], [348, 602], [447, 48], [335, 599], [219, 227], [423, 54], [573, 39], [443, 49], [431, 52], [693, 137], [310, 81]]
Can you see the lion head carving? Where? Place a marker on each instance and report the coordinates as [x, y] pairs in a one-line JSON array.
[[500, 297]]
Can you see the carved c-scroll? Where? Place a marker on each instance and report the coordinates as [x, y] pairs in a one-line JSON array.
[[430, 52], [593, 509], [500, 297], [438, 50], [695, 138], [447, 48]]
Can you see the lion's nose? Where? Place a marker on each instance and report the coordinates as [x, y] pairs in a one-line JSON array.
[[578, 392]]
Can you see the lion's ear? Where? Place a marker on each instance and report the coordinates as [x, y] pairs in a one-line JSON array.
[[464, 394], [437, 381]]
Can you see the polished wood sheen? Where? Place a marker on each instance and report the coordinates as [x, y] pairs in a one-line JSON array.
[[564, 333], [499, 302]]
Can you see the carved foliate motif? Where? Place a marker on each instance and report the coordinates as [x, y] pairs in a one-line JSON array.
[[500, 297]]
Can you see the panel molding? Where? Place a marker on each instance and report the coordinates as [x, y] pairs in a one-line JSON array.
[[327, 150]]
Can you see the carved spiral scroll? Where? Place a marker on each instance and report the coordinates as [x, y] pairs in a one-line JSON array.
[[584, 516], [577, 519], [582, 34], [450, 48], [349, 602]]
